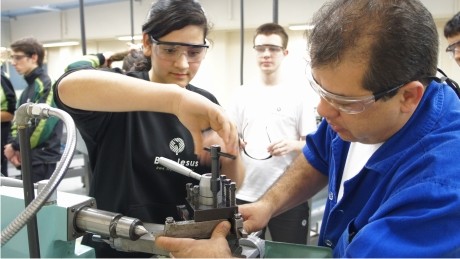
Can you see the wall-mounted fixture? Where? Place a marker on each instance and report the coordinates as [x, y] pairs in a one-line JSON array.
[[301, 27], [129, 38], [60, 44]]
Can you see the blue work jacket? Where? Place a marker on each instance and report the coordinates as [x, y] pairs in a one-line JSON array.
[[405, 202]]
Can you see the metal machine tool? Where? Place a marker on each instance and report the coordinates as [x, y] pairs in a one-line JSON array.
[[56, 219], [61, 221], [59, 218], [207, 204]]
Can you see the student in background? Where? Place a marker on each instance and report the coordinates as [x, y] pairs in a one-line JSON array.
[[8, 102], [45, 134], [273, 118], [129, 121], [452, 34]]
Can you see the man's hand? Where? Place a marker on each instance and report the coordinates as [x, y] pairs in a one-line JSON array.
[[216, 246], [256, 215], [12, 155], [284, 147]]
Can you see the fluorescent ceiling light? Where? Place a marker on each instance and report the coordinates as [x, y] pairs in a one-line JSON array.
[[128, 38], [301, 27], [60, 44]]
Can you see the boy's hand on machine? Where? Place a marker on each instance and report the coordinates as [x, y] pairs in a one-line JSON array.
[[216, 246]]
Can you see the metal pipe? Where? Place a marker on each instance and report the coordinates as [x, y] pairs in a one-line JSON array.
[[29, 194], [82, 27], [275, 11], [11, 182], [131, 8], [241, 40], [23, 114]]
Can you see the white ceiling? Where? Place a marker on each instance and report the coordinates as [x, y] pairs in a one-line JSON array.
[[14, 8]]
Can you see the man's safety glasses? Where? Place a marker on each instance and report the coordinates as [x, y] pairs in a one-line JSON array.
[[171, 51], [17, 58], [350, 105], [273, 49]]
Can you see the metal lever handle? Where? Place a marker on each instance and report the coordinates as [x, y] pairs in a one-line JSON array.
[[168, 163]]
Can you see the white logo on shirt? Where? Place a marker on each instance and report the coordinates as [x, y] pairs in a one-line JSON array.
[[177, 145]]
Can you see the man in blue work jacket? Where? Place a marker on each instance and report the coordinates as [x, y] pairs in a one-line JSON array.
[[388, 146]]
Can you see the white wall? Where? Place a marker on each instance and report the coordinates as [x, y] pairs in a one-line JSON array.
[[220, 71], [110, 20]]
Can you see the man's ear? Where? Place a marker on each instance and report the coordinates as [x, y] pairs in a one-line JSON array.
[[411, 94], [147, 45], [34, 57]]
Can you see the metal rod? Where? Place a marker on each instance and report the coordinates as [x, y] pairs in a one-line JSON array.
[[241, 40], [132, 20], [29, 195], [82, 27], [215, 173], [275, 11]]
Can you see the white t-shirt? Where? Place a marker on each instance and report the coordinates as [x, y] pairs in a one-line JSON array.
[[266, 114], [357, 157]]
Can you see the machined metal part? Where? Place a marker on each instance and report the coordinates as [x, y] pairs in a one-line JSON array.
[[145, 244], [109, 224], [253, 246], [205, 190], [73, 231], [190, 228]]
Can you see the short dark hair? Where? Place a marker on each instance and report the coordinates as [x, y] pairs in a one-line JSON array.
[[30, 46], [452, 26], [397, 41], [272, 28]]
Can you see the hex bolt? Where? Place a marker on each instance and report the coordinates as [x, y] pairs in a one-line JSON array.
[[232, 197], [169, 220]]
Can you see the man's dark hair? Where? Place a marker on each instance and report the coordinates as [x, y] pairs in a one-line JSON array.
[[30, 46], [273, 28], [452, 27], [395, 40]]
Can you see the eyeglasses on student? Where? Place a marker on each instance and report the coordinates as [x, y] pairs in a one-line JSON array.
[[453, 48], [171, 51], [272, 49], [17, 58]]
